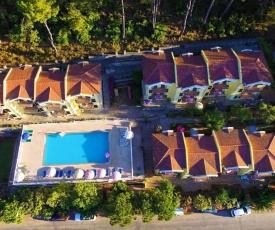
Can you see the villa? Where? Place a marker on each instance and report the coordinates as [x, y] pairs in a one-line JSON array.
[[30, 90], [98, 151]]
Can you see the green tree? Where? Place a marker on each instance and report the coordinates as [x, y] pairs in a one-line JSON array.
[[144, 205], [40, 11], [244, 114], [222, 199], [165, 200], [86, 197], [12, 212], [202, 202], [159, 33], [263, 200], [267, 112], [213, 120], [118, 206]]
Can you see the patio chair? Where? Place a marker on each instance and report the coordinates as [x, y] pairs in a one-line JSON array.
[[56, 173], [44, 173], [107, 172], [69, 174], [61, 173]]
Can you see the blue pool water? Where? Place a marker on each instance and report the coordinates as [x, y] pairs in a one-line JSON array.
[[76, 148]]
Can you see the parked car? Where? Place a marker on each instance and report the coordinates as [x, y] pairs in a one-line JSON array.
[[210, 210], [179, 212], [243, 211], [58, 216], [79, 217]]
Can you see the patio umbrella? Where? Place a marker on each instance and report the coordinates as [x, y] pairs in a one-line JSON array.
[[19, 176], [129, 135], [79, 173], [25, 136], [116, 175], [199, 105], [89, 174], [101, 173], [50, 172]]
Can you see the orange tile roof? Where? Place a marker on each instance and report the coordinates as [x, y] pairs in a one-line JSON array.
[[254, 67], [50, 86], [20, 82], [84, 78], [203, 156], [263, 151], [158, 68], [168, 152], [191, 70], [2, 76], [234, 147], [222, 64]]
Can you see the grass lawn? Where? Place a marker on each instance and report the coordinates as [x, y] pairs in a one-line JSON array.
[[6, 152]]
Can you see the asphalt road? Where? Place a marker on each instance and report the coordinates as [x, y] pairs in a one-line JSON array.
[[221, 220]]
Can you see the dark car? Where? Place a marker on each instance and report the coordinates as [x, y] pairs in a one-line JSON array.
[[58, 216]]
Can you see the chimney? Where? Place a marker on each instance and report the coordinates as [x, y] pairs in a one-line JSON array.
[[259, 133], [228, 129]]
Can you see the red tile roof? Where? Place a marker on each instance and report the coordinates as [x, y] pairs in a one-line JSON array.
[[2, 76], [254, 67], [50, 86], [203, 156], [168, 152], [84, 79], [20, 82], [263, 151], [222, 64], [191, 70], [234, 147], [158, 68]]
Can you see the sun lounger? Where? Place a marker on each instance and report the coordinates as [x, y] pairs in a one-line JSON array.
[[95, 172], [56, 174], [107, 172], [61, 173], [69, 174], [44, 173]]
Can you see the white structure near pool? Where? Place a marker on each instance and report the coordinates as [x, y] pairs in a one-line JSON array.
[[96, 150]]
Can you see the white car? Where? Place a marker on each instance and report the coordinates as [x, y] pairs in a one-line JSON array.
[[78, 217], [243, 211], [179, 212]]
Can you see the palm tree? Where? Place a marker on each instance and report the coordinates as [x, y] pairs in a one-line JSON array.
[[157, 129]]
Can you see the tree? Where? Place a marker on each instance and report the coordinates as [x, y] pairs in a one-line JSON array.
[[157, 129], [208, 11], [202, 202], [213, 120], [227, 8], [86, 198], [165, 201], [118, 206], [223, 200], [40, 11], [188, 11], [263, 200], [244, 114], [155, 7], [145, 206], [186, 202], [12, 212], [267, 112], [123, 19]]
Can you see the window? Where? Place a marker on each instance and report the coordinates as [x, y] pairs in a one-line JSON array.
[[67, 112], [240, 90], [179, 100], [166, 90], [93, 100], [95, 106], [150, 97], [209, 87], [162, 86], [40, 110], [150, 91], [194, 89], [207, 94], [165, 96], [181, 94], [198, 93], [6, 110], [235, 97], [64, 107]]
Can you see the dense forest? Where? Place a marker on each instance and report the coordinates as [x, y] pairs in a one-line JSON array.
[[45, 30]]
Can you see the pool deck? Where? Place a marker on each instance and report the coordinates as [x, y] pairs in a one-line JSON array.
[[31, 154]]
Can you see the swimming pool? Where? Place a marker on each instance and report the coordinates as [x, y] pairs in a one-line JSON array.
[[76, 148]]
